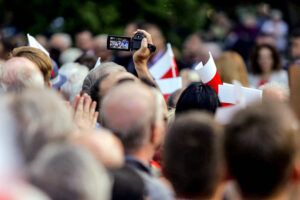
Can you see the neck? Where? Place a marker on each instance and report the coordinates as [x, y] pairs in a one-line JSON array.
[[265, 76], [145, 154]]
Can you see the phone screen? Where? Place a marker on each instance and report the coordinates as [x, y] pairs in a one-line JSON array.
[[118, 43]]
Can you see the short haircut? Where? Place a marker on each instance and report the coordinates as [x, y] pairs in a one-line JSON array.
[[65, 171], [96, 73], [256, 69], [95, 90], [193, 157], [75, 74], [198, 96], [260, 148], [38, 57]]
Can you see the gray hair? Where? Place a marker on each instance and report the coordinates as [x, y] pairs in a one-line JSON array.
[[64, 171], [42, 117], [104, 69], [75, 74]]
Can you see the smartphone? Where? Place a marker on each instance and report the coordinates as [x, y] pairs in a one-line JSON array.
[[118, 43]]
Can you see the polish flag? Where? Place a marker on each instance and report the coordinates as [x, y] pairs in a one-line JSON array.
[[209, 73], [169, 85], [166, 66], [165, 73]]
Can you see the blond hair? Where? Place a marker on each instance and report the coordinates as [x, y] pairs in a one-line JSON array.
[[231, 66]]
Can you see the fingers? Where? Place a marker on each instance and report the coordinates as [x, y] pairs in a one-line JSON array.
[[95, 118], [75, 102], [79, 108], [87, 104], [93, 109], [146, 34]]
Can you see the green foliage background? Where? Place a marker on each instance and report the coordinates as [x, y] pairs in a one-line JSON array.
[[177, 18]]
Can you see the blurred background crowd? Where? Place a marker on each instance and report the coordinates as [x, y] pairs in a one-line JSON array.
[[74, 130]]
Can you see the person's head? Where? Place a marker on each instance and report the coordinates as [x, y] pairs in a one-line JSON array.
[[192, 48], [75, 74], [95, 74], [104, 145], [265, 59], [87, 59], [106, 82], [198, 96], [295, 44], [128, 184], [60, 41], [64, 171], [157, 36], [193, 155], [276, 15], [261, 150], [36, 56], [70, 55], [42, 117], [19, 73], [84, 40], [275, 91], [231, 66], [100, 49], [6, 46], [189, 76], [130, 110], [266, 38]]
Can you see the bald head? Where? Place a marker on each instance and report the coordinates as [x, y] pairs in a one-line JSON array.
[[61, 41], [113, 79], [129, 111], [18, 73], [105, 146]]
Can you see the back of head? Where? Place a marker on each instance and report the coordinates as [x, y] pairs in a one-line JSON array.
[[43, 118], [36, 56], [75, 74], [261, 147], [128, 110], [193, 158], [66, 172], [198, 96], [96, 73], [231, 66], [20, 73], [61, 41]]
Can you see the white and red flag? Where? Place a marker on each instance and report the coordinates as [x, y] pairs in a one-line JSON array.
[[166, 66], [209, 73], [165, 73]]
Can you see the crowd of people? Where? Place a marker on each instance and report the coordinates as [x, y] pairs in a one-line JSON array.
[[73, 130]]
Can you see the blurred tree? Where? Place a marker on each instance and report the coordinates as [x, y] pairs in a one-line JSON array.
[[176, 18]]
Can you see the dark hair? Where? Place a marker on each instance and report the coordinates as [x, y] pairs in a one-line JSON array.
[[260, 147], [198, 96], [193, 157], [256, 69], [95, 91], [295, 33], [127, 184], [87, 60]]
